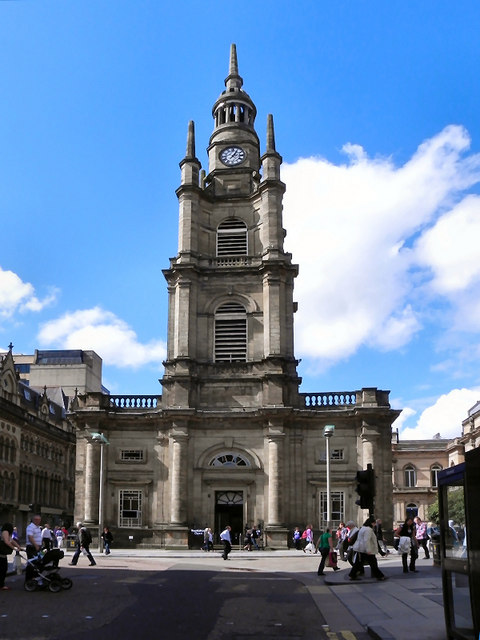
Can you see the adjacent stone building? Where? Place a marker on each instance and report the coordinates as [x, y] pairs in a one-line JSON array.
[[231, 440], [37, 453]]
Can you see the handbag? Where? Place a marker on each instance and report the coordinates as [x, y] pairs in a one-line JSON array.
[[404, 544], [331, 559], [5, 550]]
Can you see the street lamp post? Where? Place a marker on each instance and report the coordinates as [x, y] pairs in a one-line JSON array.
[[328, 431], [102, 440]]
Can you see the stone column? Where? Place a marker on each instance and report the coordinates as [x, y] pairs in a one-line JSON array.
[[91, 483], [275, 449], [178, 514], [369, 444]]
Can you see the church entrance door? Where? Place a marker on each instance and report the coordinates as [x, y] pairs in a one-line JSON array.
[[229, 510]]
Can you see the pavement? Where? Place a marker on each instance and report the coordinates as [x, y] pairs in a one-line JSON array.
[[402, 606]]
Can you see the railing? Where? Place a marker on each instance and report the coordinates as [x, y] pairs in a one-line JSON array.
[[329, 399], [132, 402], [231, 261]]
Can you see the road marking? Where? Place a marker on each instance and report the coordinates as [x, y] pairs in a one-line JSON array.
[[346, 635]]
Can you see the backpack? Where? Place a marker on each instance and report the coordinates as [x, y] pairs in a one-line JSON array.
[[304, 535], [86, 536]]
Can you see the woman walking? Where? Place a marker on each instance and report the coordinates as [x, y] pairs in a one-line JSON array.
[[365, 548], [325, 546], [7, 546], [408, 543]]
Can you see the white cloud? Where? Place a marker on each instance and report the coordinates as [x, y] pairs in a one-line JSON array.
[[102, 331], [451, 248], [18, 296], [445, 416], [364, 233]]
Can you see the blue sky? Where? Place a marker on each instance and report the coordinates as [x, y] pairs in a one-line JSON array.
[[376, 109]]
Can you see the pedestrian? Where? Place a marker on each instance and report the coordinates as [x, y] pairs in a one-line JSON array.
[[107, 540], [350, 541], [248, 540], [226, 541], [325, 547], [255, 534], [339, 535], [83, 542], [33, 544], [365, 548], [408, 544], [297, 538], [210, 539], [307, 535], [422, 536], [58, 533], [205, 540], [8, 544], [47, 538], [382, 547]]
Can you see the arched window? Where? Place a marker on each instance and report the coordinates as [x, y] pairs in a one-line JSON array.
[[230, 333], [434, 469], [232, 238], [229, 459], [410, 476]]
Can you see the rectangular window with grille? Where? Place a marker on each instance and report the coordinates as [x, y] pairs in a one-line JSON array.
[[337, 508], [131, 455], [130, 508]]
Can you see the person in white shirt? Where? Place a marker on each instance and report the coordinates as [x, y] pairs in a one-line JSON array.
[[226, 541], [34, 543], [47, 538], [366, 547]]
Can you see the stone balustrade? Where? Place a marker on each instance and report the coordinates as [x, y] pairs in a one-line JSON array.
[[329, 400], [131, 402]]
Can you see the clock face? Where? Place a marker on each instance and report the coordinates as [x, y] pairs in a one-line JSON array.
[[232, 156]]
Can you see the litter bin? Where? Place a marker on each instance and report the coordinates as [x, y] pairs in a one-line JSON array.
[[437, 559], [71, 542]]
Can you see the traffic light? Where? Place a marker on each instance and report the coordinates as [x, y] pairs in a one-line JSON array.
[[366, 488]]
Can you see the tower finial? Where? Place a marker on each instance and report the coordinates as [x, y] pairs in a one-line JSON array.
[[233, 80], [233, 71], [270, 133], [191, 140]]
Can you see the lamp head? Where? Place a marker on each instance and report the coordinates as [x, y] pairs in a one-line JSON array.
[[328, 430]]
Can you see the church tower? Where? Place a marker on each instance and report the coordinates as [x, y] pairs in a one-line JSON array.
[[230, 328], [231, 440]]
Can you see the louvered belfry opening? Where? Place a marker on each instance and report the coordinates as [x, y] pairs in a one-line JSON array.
[[231, 333], [232, 238]]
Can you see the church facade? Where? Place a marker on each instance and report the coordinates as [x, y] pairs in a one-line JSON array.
[[230, 440]]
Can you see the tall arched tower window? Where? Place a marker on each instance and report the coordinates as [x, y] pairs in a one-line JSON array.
[[410, 474], [231, 333], [232, 238], [434, 471]]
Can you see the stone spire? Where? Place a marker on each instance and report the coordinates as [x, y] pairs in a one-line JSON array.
[[271, 160], [190, 165], [233, 80], [190, 154], [234, 106]]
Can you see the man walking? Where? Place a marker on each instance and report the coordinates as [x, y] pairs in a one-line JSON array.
[[33, 544], [84, 539], [226, 541]]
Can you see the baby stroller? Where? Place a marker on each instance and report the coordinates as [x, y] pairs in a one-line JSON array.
[[45, 566]]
